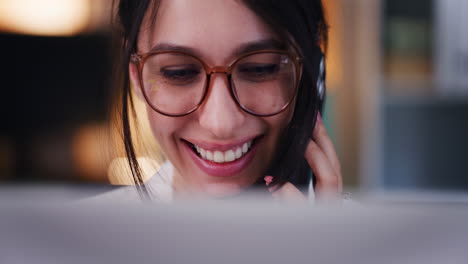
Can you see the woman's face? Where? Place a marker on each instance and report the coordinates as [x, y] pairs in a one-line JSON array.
[[216, 30]]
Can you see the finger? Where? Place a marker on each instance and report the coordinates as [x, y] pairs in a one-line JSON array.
[[289, 192], [322, 139], [327, 180]]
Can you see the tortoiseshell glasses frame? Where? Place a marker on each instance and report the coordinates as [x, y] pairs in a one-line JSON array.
[[296, 71]]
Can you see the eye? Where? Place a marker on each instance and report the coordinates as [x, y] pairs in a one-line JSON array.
[[180, 74], [258, 72]]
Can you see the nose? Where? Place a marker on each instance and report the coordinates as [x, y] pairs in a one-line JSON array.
[[219, 113]]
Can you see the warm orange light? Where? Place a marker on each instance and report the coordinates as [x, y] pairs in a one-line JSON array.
[[91, 151], [44, 17], [333, 9]]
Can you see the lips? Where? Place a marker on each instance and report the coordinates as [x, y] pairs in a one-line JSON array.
[[222, 159]]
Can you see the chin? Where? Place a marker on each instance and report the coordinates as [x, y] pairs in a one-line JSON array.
[[220, 190], [229, 187]]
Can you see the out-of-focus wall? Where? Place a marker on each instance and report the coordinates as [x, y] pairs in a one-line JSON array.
[[353, 81], [398, 125]]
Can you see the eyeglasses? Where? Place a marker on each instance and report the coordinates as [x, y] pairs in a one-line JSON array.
[[262, 83]]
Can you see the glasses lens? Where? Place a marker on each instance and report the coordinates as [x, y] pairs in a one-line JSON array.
[[173, 83], [264, 83]]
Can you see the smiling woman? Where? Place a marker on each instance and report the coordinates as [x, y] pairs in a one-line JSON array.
[[233, 91]]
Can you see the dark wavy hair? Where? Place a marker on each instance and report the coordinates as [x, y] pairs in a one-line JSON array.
[[301, 24]]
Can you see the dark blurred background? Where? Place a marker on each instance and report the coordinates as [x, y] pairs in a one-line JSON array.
[[397, 102], [51, 87], [56, 72]]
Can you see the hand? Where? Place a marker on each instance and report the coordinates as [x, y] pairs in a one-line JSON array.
[[322, 159]]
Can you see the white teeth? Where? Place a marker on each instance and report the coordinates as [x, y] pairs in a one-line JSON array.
[[229, 156], [224, 156], [238, 153], [218, 156], [245, 147], [209, 155], [202, 152]]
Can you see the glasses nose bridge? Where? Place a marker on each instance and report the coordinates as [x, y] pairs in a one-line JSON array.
[[219, 69], [226, 70]]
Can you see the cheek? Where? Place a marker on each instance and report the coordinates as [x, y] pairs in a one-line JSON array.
[[289, 117], [163, 128], [290, 110], [277, 125], [281, 121], [156, 124]]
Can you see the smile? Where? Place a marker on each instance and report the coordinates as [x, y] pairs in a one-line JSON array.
[[224, 156], [222, 159]]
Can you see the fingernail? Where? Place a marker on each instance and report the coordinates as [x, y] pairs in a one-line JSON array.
[[268, 180]]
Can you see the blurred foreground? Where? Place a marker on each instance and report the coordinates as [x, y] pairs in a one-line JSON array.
[[236, 231]]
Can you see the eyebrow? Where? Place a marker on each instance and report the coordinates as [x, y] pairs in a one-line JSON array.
[[263, 44]]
